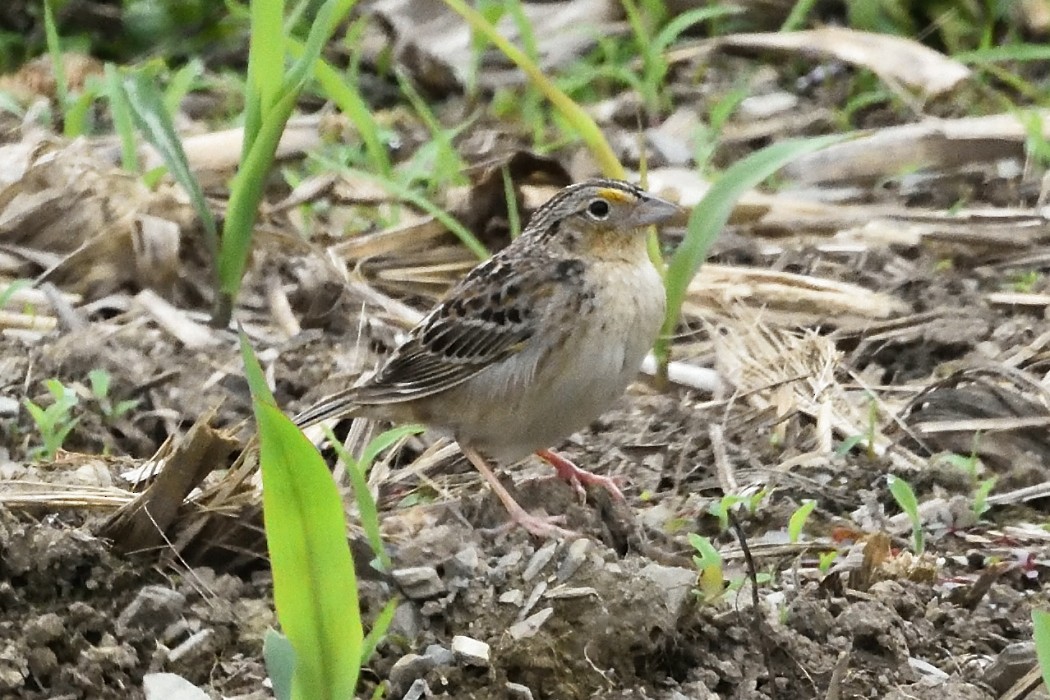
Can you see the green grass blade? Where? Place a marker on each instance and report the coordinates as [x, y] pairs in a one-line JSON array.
[[265, 67], [1041, 633], [797, 19], [78, 110], [245, 195], [580, 121], [349, 101], [269, 104], [1020, 53], [58, 65], [358, 470], [154, 123], [404, 193], [314, 585], [122, 122], [378, 631], [708, 218], [181, 82]]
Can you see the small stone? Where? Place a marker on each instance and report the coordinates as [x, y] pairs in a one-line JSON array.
[[517, 690], [405, 622], [42, 662], [9, 407], [758, 107], [409, 669], [440, 655], [419, 582], [1014, 661], [563, 592], [503, 566], [530, 625], [465, 563], [675, 583], [197, 645], [576, 555], [533, 598], [170, 686], [512, 597], [539, 560], [470, 651], [152, 609], [44, 629], [419, 689]]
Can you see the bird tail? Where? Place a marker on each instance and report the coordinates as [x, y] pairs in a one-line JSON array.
[[339, 405]]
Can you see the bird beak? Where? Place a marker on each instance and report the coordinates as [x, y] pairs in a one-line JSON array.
[[653, 210]]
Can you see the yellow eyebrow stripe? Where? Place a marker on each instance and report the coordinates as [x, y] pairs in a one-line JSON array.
[[614, 195]]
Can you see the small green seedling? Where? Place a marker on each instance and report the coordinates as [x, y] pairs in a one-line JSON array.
[[55, 422], [112, 412], [972, 466], [720, 508], [869, 435], [825, 560], [904, 495], [798, 519], [710, 584], [980, 504]]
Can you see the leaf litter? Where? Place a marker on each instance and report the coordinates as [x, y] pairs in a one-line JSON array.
[[856, 328]]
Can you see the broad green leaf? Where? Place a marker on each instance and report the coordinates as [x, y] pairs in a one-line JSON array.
[[315, 588]]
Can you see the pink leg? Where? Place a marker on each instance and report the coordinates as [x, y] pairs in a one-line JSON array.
[[541, 526], [580, 477]]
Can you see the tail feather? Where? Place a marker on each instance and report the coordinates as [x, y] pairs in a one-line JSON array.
[[339, 405]]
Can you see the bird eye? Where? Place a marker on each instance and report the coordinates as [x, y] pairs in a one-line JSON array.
[[598, 209]]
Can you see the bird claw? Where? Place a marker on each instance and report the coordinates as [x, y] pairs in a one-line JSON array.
[[581, 478], [545, 526]]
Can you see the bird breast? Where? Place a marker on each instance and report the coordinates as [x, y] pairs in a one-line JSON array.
[[587, 349]]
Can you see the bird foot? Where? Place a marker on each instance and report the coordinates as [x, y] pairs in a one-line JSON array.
[[580, 478], [546, 526]]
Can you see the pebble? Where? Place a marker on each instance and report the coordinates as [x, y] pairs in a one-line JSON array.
[[470, 651], [576, 555], [517, 690], [674, 583], [170, 686], [465, 563], [1014, 661], [44, 629], [419, 582], [405, 621], [153, 608], [440, 655], [539, 560], [533, 598], [197, 644], [758, 107], [562, 592], [530, 625], [512, 597], [419, 689], [409, 669]]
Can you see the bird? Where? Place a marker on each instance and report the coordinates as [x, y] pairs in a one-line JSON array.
[[534, 344]]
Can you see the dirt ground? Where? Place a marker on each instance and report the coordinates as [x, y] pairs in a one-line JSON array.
[[872, 330], [611, 615]]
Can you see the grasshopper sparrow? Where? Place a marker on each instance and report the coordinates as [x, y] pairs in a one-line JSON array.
[[534, 343]]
